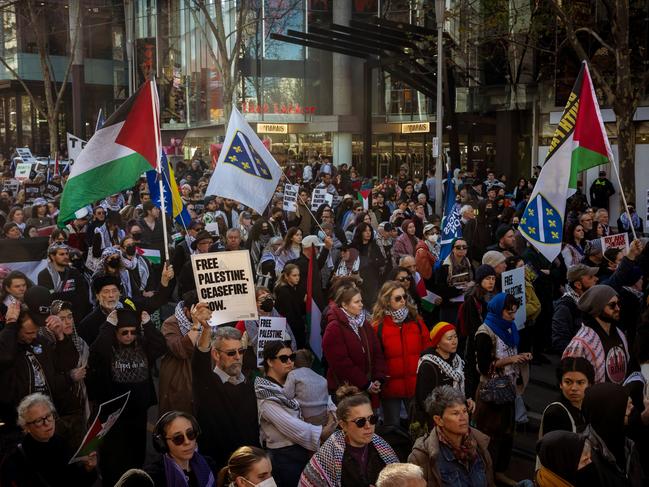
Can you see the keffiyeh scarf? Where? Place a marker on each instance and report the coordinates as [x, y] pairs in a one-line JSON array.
[[355, 322], [454, 369], [183, 323], [270, 391]]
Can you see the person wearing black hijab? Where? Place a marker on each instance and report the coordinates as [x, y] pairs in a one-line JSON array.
[[561, 454], [615, 460]]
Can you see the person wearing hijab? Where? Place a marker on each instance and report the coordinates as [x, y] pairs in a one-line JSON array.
[[496, 345], [607, 408], [562, 454]]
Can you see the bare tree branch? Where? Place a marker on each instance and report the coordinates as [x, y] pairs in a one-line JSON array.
[[596, 36], [33, 99]]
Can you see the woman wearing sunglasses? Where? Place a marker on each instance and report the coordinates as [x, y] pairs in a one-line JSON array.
[[452, 278], [180, 464], [354, 454], [289, 440], [121, 361], [403, 336]]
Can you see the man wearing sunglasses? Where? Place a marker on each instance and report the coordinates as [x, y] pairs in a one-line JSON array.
[[599, 340], [225, 403]]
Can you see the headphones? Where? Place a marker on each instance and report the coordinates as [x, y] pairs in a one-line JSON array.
[[159, 439]]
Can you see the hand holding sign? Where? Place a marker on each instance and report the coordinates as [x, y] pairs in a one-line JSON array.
[[201, 313]]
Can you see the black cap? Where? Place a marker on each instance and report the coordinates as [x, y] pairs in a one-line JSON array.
[[39, 301], [98, 283], [202, 235]]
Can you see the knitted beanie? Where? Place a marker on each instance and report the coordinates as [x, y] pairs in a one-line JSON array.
[[438, 332], [594, 300]]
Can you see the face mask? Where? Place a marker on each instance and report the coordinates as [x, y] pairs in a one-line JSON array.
[[433, 238], [113, 263], [267, 305], [137, 236], [266, 483], [130, 250]]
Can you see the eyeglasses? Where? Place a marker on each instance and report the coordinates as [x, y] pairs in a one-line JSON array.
[[40, 422], [285, 358], [404, 279], [613, 305], [179, 439], [128, 332], [232, 353], [361, 422], [399, 297], [461, 247]]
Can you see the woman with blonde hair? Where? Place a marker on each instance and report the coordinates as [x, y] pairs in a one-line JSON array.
[[247, 466], [403, 336]]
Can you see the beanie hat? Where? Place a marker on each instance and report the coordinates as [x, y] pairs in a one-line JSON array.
[[99, 282], [594, 300], [493, 258], [482, 272], [438, 332], [127, 318], [501, 231]]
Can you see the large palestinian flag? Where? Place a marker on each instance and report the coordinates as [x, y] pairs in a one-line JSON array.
[[116, 156], [579, 143]]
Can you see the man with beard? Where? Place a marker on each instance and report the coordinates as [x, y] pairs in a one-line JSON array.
[[599, 340], [224, 402]]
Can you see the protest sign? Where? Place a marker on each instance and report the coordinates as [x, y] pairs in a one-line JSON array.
[[513, 282], [25, 155], [617, 241], [75, 145], [224, 281], [320, 197], [33, 191], [290, 197], [270, 328], [23, 169], [52, 190], [107, 416], [12, 185]]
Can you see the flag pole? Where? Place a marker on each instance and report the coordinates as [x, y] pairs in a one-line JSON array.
[[300, 201], [163, 204], [626, 206]]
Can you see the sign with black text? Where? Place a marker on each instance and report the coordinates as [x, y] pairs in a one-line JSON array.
[[25, 155], [270, 328], [290, 197], [75, 146], [513, 282], [224, 281], [617, 241], [319, 197], [23, 169]]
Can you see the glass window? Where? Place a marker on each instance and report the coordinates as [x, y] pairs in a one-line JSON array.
[[26, 120], [12, 128], [280, 16]]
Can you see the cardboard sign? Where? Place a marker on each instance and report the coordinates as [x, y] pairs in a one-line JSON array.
[[290, 197], [12, 185], [617, 241], [224, 281], [33, 191], [513, 282], [320, 197], [108, 414], [270, 328], [23, 169], [26, 155], [75, 146]]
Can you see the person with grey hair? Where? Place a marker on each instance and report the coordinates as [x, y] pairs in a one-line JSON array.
[[401, 475], [453, 453], [224, 402], [42, 457], [233, 239]]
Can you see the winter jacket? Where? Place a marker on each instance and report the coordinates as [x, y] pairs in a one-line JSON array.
[[402, 247], [176, 369], [402, 345], [355, 359], [425, 260], [426, 453], [566, 320]]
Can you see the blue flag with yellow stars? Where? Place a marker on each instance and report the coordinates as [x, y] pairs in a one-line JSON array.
[[173, 203]]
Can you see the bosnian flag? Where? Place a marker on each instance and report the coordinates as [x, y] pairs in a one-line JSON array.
[[313, 313], [579, 143], [364, 197], [117, 154]]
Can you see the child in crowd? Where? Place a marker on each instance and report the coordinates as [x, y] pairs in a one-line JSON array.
[[308, 388]]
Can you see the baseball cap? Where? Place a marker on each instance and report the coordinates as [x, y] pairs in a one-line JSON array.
[[39, 301], [311, 241], [429, 228], [578, 271], [82, 213]]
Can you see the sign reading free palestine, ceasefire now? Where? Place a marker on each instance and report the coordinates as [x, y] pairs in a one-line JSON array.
[[224, 281]]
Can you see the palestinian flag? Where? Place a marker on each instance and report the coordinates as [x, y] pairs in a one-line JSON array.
[[579, 143], [364, 197], [117, 154], [313, 313], [152, 255]]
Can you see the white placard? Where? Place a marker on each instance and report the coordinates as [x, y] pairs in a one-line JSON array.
[[75, 146], [11, 185], [290, 197], [270, 328], [26, 155], [22, 171], [224, 281], [617, 241], [319, 197], [435, 147], [513, 282]]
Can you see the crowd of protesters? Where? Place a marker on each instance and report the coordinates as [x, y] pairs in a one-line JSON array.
[[434, 383]]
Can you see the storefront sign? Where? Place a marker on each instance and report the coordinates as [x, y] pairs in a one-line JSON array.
[[415, 128], [272, 128], [290, 108]]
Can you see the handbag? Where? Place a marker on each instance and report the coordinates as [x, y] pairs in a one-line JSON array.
[[498, 389]]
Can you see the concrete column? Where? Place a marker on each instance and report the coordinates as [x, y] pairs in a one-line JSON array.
[[342, 87], [76, 53]]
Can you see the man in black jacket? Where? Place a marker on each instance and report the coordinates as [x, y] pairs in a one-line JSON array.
[[567, 318], [601, 191], [309, 244]]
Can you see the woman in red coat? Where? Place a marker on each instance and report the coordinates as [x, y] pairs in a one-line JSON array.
[[403, 336], [351, 347]]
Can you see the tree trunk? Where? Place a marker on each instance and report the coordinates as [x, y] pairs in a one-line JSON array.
[[626, 152], [53, 129]]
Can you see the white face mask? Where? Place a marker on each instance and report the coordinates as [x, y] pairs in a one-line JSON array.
[[433, 238], [269, 482]]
